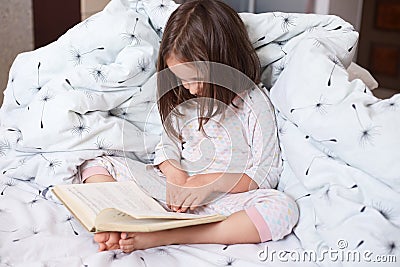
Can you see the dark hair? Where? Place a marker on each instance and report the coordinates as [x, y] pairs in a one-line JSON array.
[[207, 31]]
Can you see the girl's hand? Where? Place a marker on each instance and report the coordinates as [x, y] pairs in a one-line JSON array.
[[176, 176], [174, 181], [197, 191]]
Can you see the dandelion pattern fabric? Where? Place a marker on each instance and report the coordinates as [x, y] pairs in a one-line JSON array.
[[67, 102]]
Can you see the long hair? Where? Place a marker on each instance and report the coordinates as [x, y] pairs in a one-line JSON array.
[[203, 31]]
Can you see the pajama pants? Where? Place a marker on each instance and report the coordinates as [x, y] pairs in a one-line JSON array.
[[273, 213]]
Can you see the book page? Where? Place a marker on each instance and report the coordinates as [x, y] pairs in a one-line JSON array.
[[92, 204], [119, 195]]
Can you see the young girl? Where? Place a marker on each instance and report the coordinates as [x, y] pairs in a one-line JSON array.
[[219, 152]]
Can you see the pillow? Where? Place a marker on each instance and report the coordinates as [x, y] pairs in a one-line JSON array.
[[357, 72]]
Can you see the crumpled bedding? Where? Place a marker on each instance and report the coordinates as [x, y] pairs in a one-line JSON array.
[[92, 92]]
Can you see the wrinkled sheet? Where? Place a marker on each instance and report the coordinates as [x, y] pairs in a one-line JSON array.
[[92, 92]]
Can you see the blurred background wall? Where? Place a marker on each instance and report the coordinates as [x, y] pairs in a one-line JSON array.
[[16, 34], [30, 24]]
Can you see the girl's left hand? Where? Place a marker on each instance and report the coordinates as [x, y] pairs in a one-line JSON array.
[[197, 191]]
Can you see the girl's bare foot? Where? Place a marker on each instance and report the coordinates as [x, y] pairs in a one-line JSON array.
[[107, 240], [237, 228], [136, 241]]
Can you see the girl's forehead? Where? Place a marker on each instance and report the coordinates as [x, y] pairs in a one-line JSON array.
[[182, 69]]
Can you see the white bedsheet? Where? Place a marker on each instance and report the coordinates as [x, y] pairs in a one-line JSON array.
[[36, 230]]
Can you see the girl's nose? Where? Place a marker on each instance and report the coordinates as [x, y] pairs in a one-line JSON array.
[[189, 85], [186, 84]]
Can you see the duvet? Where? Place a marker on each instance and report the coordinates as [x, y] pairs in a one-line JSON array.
[[92, 93]]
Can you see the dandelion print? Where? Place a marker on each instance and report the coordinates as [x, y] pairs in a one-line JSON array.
[[311, 28], [115, 255], [45, 98], [367, 133], [44, 192], [335, 61], [228, 261], [317, 42], [68, 220], [386, 212], [4, 147], [259, 40], [87, 93], [13, 91], [80, 128], [132, 37], [306, 195], [159, 31], [351, 48], [287, 21], [335, 29], [39, 87], [69, 83], [144, 262], [390, 105], [10, 183], [77, 55], [33, 230], [280, 44], [325, 194], [391, 247], [143, 67], [321, 141], [118, 112], [136, 7], [162, 7], [320, 107], [359, 244], [52, 164], [98, 74], [8, 231], [20, 163], [279, 69], [101, 144], [312, 161], [18, 136], [33, 201]]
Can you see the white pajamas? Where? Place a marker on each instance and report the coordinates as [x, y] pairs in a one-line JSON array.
[[243, 140]]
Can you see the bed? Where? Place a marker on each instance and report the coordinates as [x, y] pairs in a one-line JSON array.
[[91, 93]]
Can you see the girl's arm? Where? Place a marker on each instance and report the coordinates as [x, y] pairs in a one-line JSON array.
[[202, 188], [173, 171], [263, 140], [223, 182]]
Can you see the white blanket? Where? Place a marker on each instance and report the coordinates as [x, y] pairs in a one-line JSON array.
[[89, 93], [340, 143], [92, 92]]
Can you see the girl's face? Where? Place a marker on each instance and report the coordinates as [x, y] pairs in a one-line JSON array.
[[187, 73]]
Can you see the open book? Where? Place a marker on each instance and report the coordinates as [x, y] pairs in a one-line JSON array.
[[122, 207]]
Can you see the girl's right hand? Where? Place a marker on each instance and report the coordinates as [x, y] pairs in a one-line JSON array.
[[176, 177], [174, 180]]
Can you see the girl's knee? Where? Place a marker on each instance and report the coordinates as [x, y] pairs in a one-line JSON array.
[[280, 213]]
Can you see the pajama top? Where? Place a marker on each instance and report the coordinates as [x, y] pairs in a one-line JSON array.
[[241, 140]]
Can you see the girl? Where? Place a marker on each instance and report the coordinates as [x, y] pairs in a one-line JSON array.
[[219, 152]]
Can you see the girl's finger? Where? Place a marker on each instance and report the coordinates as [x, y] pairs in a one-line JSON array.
[[180, 204], [196, 203], [127, 248], [188, 202], [102, 247]]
